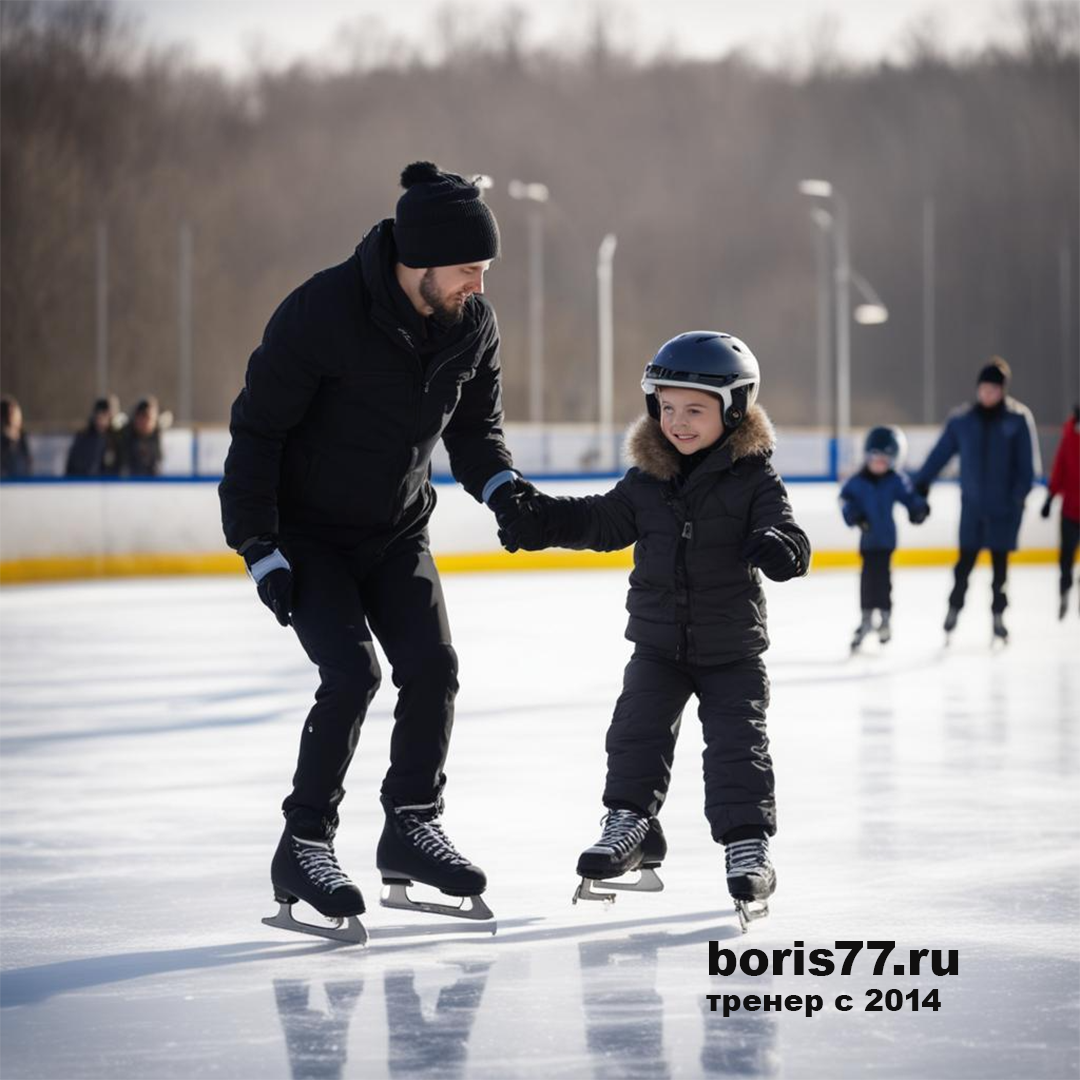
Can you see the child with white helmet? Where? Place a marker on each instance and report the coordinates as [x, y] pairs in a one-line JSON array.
[[705, 512]]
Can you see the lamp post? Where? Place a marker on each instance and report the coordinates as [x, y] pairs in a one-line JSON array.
[[606, 353], [537, 194], [871, 312]]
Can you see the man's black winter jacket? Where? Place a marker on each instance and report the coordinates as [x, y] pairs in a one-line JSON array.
[[344, 402], [692, 596]]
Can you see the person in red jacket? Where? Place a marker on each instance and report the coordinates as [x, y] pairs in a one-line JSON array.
[[1065, 481]]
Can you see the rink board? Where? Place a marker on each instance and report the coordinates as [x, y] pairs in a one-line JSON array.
[[56, 531]]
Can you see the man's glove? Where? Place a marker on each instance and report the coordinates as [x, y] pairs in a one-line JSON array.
[[1045, 511], [774, 552], [509, 500], [272, 574], [919, 514], [527, 531]]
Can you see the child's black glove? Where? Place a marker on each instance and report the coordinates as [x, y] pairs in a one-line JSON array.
[[862, 522], [922, 489], [919, 514], [272, 574], [775, 553], [1045, 511]]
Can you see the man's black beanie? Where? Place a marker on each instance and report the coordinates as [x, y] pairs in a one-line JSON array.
[[997, 372], [441, 220]]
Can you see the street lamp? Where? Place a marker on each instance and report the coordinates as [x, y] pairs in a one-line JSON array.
[[606, 355], [537, 194], [872, 312]]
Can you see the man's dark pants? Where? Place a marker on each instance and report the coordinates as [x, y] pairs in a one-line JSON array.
[[341, 599]]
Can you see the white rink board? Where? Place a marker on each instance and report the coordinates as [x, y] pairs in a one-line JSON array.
[[927, 797], [79, 519]]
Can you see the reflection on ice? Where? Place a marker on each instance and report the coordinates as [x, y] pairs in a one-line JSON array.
[[317, 1041]]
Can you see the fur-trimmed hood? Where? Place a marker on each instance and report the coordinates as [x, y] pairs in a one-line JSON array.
[[649, 450]]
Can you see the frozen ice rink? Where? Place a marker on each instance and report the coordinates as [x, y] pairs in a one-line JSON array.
[[926, 796]]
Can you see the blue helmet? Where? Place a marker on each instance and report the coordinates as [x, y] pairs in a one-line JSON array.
[[887, 440], [706, 360]]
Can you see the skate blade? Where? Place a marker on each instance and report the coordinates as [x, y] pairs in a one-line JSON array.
[[748, 913], [648, 882], [396, 895], [351, 933]]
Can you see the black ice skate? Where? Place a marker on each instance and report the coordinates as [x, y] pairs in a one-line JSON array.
[[884, 630], [630, 841], [862, 630], [952, 617], [1001, 635], [1063, 605], [306, 868], [413, 847], [751, 879]]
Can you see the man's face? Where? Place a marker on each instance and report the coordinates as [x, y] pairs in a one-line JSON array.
[[446, 288], [690, 419], [145, 420], [989, 394], [102, 420]]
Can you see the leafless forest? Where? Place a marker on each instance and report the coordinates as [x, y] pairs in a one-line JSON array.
[[693, 165]]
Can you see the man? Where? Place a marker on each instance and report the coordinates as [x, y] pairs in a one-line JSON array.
[[94, 450], [140, 451], [999, 457], [327, 497]]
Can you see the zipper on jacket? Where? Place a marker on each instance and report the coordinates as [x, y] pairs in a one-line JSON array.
[[435, 370]]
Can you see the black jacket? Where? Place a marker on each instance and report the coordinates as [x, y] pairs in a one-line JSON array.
[[346, 398], [691, 594], [93, 453]]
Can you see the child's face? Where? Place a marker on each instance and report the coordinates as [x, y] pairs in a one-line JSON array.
[[878, 464], [690, 419]]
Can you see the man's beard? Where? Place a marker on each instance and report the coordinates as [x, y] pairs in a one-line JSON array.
[[447, 314]]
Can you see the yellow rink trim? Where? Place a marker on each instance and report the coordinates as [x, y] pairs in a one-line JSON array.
[[71, 568]]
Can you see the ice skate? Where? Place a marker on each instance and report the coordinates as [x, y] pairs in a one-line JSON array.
[[751, 879], [862, 630], [1001, 635], [630, 841], [305, 868], [414, 847], [952, 617], [1063, 605], [884, 630]]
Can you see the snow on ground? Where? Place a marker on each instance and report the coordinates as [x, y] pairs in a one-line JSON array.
[[926, 796]]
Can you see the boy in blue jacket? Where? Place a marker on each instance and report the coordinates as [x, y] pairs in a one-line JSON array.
[[868, 499]]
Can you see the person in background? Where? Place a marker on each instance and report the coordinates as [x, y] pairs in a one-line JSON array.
[[999, 459], [868, 500], [15, 458], [140, 451], [95, 450], [1065, 481]]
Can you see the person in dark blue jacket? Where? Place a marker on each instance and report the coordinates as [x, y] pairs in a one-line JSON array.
[[999, 458], [868, 500]]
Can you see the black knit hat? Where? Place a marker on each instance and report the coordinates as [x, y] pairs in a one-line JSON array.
[[441, 220], [997, 372]]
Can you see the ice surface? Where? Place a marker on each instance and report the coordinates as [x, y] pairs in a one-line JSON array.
[[925, 796]]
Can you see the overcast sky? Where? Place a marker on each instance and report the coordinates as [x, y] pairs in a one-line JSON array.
[[228, 32]]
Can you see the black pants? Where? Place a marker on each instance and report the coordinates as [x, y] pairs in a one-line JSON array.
[[962, 571], [339, 602], [1070, 538], [739, 783], [875, 583]]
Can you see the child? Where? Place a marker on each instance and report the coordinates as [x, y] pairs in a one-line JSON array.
[[868, 498], [703, 507]]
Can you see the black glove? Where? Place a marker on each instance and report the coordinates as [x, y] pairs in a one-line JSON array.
[[527, 531], [272, 574], [509, 499], [923, 489], [1045, 511], [863, 522], [774, 552], [919, 514]]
